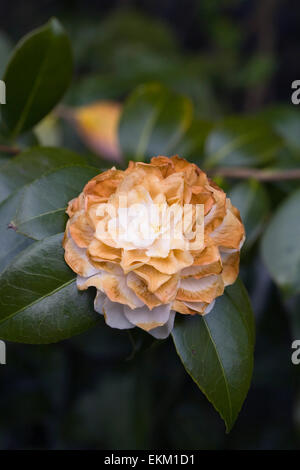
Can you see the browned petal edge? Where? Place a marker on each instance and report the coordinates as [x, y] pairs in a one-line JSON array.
[[156, 281]]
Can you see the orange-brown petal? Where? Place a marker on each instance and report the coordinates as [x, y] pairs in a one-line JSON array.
[[152, 276], [81, 230], [176, 261], [205, 289], [230, 267], [99, 251], [139, 287], [230, 233], [77, 259]]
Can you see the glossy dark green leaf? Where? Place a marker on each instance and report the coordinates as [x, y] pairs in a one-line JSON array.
[[285, 120], [241, 141], [11, 243], [36, 76], [191, 146], [42, 207], [39, 300], [31, 164], [13, 177], [252, 200], [281, 245], [217, 351], [153, 122]]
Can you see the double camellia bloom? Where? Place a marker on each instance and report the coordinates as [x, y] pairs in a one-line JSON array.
[[154, 239]]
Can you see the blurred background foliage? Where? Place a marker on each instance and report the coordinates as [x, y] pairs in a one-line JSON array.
[[214, 79]]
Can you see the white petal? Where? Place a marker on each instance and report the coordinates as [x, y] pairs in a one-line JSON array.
[[114, 315], [197, 306], [227, 251], [204, 289], [98, 302], [91, 281], [159, 249], [162, 332], [148, 319], [209, 307], [74, 251], [211, 214]]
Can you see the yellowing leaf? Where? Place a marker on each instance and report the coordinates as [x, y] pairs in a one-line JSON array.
[[98, 126]]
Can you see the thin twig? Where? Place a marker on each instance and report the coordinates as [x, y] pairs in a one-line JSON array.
[[260, 175]]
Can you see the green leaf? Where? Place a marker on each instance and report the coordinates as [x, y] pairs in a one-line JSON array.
[[13, 177], [281, 245], [217, 351], [252, 200], [286, 122], [31, 164], [11, 243], [39, 300], [192, 143], [36, 76], [241, 141], [153, 122], [42, 207]]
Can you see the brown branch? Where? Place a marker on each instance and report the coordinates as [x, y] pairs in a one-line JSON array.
[[260, 175], [9, 150]]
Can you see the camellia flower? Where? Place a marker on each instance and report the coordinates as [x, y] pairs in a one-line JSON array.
[[153, 240]]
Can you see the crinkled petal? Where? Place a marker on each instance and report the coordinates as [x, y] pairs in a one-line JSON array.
[[201, 271], [162, 332], [117, 289], [160, 248], [215, 216], [209, 308], [196, 307], [77, 259], [98, 250], [154, 278], [209, 255], [81, 230], [200, 307], [167, 292], [99, 301], [114, 315], [148, 319], [176, 261], [104, 184], [73, 207], [139, 287], [230, 233], [231, 263], [147, 270], [133, 259], [205, 289], [84, 283], [180, 307]]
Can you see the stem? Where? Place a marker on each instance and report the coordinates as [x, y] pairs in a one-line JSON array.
[[260, 175]]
